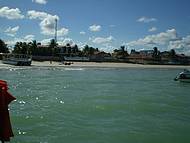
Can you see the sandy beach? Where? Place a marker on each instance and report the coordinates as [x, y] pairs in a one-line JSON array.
[[103, 65], [99, 65]]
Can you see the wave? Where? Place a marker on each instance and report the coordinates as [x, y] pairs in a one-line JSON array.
[[74, 69]]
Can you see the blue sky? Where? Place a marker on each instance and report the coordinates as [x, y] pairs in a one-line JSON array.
[[105, 24]]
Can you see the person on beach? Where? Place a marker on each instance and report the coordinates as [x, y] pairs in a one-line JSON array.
[[5, 124]]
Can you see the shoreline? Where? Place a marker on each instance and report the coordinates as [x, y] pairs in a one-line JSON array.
[[98, 65]]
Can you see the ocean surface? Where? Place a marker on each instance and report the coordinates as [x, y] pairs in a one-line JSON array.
[[98, 105]]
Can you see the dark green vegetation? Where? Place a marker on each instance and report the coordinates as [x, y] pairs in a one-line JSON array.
[[3, 47]]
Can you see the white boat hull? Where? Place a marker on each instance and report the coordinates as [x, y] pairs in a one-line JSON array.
[[17, 59], [183, 76], [184, 80], [17, 63]]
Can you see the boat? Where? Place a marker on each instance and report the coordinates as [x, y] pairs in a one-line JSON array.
[[17, 59], [183, 76]]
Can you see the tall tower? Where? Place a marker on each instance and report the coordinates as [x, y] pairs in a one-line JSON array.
[[56, 30]]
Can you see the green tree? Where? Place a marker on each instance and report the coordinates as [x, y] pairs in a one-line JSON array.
[[33, 47], [122, 48], [68, 47], [24, 48], [53, 44], [155, 51], [91, 50], [3, 47], [156, 54], [86, 50], [75, 49], [121, 53], [17, 48], [21, 48], [172, 53]]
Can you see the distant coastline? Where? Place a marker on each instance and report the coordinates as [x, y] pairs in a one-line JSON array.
[[97, 65], [72, 53]]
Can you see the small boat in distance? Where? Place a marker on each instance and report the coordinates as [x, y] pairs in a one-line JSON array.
[[17, 59], [183, 76]]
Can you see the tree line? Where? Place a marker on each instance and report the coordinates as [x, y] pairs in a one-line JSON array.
[[36, 49], [33, 48]]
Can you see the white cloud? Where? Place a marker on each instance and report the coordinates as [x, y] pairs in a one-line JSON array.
[[181, 45], [82, 33], [68, 41], [40, 1], [62, 32], [47, 23], [11, 31], [46, 41], [32, 14], [153, 29], [102, 40], [61, 41], [146, 19], [169, 40], [157, 39], [95, 28], [29, 38], [9, 13], [81, 44]]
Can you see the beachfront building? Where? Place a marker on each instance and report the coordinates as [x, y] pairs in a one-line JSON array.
[[141, 57], [168, 57], [165, 57], [101, 56], [120, 54], [181, 59]]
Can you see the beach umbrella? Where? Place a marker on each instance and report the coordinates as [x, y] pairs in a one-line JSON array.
[[5, 124]]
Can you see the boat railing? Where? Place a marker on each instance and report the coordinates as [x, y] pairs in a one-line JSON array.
[[17, 56]]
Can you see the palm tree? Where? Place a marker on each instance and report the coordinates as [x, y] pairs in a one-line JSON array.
[[3, 47], [156, 54], [33, 47], [122, 48], [86, 50], [53, 44], [17, 48], [172, 53]]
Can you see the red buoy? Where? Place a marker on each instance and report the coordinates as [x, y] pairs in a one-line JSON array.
[[5, 124]]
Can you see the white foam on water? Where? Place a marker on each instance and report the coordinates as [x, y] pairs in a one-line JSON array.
[[74, 69], [62, 102]]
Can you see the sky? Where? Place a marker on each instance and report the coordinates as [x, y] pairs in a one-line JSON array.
[[103, 24]]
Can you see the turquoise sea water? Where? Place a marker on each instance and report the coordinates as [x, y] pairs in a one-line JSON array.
[[98, 105]]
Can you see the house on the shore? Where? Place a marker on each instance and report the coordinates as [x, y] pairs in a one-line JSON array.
[[177, 59], [182, 59], [141, 57], [101, 56]]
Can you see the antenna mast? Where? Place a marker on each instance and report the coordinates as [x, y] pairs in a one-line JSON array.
[[56, 30]]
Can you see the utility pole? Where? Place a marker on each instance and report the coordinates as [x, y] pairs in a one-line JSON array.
[[56, 30], [55, 41]]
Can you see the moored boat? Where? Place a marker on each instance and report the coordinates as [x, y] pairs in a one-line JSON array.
[[17, 59], [183, 76]]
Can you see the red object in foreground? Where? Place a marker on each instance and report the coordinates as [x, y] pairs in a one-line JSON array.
[[5, 124]]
